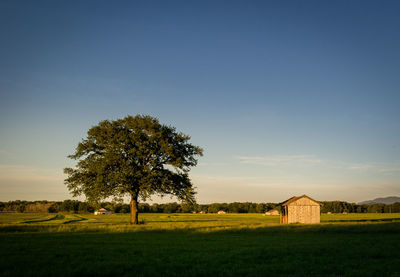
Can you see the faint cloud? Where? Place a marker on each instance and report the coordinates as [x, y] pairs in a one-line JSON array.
[[373, 167], [389, 170], [361, 166], [211, 164], [237, 179], [310, 160], [275, 189], [279, 160], [4, 152]]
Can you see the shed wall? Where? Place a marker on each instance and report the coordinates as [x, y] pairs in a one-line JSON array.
[[303, 214], [302, 210]]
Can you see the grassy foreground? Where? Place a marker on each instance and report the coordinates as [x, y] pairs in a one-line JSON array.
[[198, 245]]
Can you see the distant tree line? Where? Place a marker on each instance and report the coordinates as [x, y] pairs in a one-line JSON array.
[[341, 207], [76, 206]]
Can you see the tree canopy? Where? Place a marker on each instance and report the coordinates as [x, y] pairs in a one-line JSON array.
[[135, 156]]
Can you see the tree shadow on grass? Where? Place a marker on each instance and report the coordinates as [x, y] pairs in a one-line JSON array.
[[365, 220], [172, 221], [56, 217], [79, 218], [375, 227]]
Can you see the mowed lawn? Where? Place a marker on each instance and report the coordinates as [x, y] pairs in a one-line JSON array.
[[198, 245]]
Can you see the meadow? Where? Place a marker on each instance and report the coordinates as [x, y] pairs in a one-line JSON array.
[[45, 244]]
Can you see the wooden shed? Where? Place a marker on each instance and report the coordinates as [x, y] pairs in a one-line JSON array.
[[102, 211], [300, 209]]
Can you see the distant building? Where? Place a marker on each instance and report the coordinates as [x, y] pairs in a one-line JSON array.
[[272, 212], [221, 212], [102, 211], [300, 209], [202, 212]]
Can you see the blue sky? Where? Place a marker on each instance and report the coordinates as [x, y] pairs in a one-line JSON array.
[[285, 97]]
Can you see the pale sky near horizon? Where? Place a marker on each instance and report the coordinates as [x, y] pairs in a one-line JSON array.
[[286, 97]]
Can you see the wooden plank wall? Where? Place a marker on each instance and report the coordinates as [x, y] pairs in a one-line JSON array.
[[303, 210]]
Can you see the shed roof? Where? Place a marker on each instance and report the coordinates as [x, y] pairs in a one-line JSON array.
[[102, 210], [295, 198]]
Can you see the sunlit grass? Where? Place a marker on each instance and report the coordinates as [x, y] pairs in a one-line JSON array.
[[166, 222]]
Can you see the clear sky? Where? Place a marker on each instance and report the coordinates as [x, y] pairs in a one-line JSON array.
[[285, 97]]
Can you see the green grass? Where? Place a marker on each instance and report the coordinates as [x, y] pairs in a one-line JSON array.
[[198, 245], [155, 222]]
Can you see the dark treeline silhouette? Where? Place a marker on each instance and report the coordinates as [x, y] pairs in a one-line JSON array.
[[75, 206], [340, 207]]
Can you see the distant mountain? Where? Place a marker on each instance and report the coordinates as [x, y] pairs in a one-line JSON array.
[[382, 200]]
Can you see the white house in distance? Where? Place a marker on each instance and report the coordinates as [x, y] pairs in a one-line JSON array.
[[102, 211], [221, 212], [272, 212]]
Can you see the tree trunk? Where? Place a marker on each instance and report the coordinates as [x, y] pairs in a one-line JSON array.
[[134, 210]]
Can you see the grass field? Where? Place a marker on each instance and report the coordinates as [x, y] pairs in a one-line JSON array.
[[198, 245]]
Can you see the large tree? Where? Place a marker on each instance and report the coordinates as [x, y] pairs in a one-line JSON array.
[[135, 156]]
